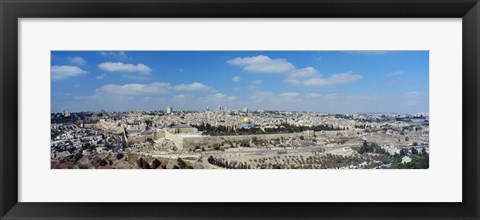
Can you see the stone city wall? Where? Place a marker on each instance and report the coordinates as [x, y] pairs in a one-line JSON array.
[[105, 126], [140, 138], [176, 139], [159, 134], [204, 141], [190, 142]]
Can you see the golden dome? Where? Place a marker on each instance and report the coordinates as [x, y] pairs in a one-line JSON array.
[[246, 120]]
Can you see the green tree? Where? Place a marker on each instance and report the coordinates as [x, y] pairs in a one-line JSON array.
[[414, 151], [424, 152]]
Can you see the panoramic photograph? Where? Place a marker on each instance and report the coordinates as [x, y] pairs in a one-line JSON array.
[[239, 110]]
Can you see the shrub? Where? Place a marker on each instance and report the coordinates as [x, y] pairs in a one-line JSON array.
[[119, 156], [140, 162], [78, 156], [102, 162], [95, 161], [211, 160], [155, 164]]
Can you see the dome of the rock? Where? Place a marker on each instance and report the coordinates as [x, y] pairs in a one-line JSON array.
[[246, 120]]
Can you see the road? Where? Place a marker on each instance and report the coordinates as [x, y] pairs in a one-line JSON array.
[[119, 144]]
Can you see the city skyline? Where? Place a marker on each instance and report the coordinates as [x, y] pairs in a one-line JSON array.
[[320, 81]]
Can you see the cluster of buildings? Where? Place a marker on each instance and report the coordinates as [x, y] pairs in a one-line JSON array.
[[69, 139], [114, 131]]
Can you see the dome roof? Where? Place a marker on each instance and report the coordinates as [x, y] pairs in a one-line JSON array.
[[246, 120]]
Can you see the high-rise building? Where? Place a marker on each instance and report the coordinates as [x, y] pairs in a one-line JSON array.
[[65, 113], [169, 110], [245, 110]]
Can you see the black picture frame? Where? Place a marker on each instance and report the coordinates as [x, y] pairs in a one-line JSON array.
[[12, 10]]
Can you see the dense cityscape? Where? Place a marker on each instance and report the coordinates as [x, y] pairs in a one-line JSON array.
[[223, 138], [239, 109]]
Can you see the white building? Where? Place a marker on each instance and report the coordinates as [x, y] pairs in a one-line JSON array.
[[406, 159]]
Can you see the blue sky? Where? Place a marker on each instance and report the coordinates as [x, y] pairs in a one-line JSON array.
[[322, 81]]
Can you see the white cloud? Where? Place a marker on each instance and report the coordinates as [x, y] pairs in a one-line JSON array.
[[262, 64], [220, 96], [340, 103], [134, 89], [292, 81], [331, 96], [124, 96], [303, 73], [412, 93], [63, 72], [200, 102], [100, 76], [255, 84], [239, 61], [236, 79], [315, 82], [77, 60], [313, 95], [183, 96], [153, 96], [127, 96], [396, 73], [338, 78], [141, 77], [290, 95], [117, 55], [192, 87], [294, 77], [125, 67], [343, 78], [307, 76]]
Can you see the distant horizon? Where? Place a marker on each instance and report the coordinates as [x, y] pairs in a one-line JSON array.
[[249, 111], [335, 82]]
